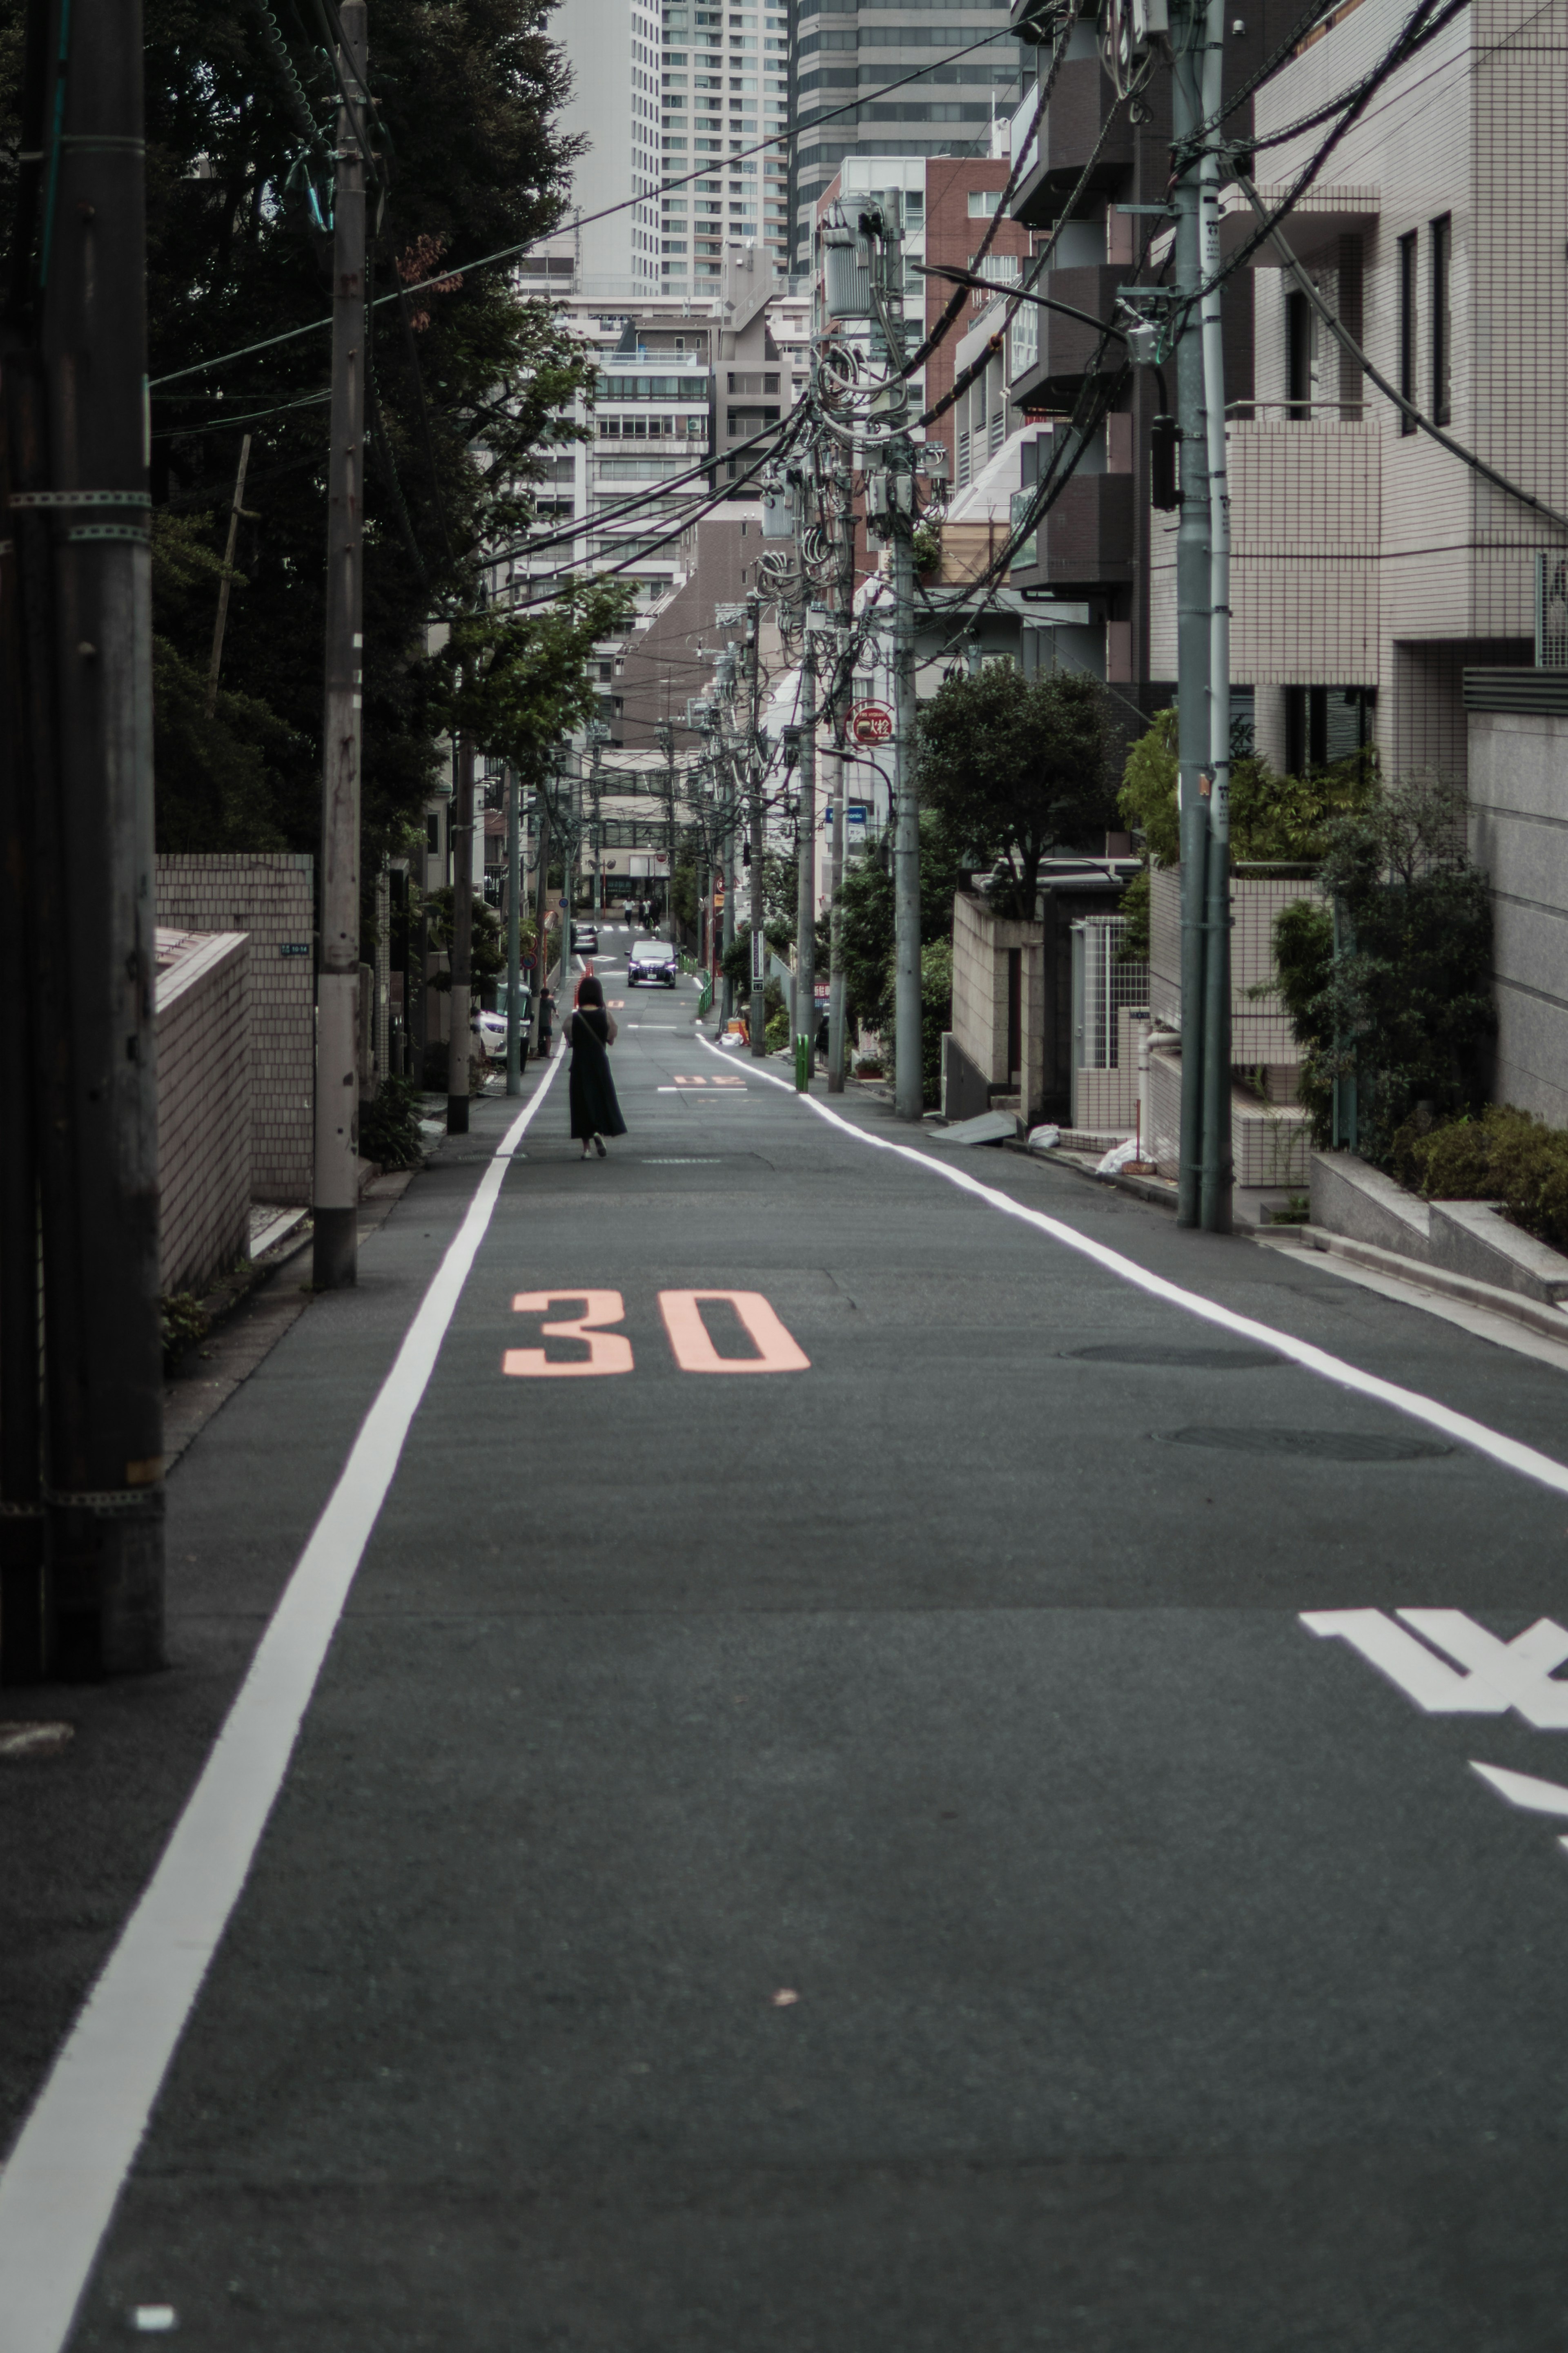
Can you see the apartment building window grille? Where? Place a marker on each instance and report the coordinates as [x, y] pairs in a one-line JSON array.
[[1298, 357], [1407, 326], [1324, 723], [1442, 328]]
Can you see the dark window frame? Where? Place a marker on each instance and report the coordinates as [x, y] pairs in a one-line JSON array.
[[1442, 335], [1408, 282], [1298, 357]]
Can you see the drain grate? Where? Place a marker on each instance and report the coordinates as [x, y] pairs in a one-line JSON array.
[[688, 1160], [1199, 1360], [1307, 1445]]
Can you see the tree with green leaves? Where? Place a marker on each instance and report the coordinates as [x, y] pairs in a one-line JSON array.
[[1016, 768], [467, 382], [1404, 1003]]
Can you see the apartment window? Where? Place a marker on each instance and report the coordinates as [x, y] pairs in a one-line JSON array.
[[984, 202], [1442, 329], [1298, 356], [1407, 326]]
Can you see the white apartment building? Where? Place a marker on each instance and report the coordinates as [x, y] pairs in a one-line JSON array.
[[660, 93], [725, 88], [613, 49], [1371, 566]]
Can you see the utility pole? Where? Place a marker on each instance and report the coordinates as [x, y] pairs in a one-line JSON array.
[[844, 614], [513, 929], [335, 1193], [1193, 602], [82, 1479], [462, 941], [1217, 1172], [758, 1019], [805, 853], [666, 745], [541, 905]]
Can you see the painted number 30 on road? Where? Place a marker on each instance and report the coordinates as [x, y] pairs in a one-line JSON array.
[[691, 1343]]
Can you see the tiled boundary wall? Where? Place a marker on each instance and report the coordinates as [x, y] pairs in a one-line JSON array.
[[203, 1105], [1519, 811], [270, 897], [981, 945]]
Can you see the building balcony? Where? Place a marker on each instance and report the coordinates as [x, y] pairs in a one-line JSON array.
[[1067, 345], [1085, 543], [1081, 103]]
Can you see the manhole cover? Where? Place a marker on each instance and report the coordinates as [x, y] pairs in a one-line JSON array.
[[1310, 1445], [34, 1740], [1202, 1360]]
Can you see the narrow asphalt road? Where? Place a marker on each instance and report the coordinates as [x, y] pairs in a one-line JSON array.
[[866, 1855]]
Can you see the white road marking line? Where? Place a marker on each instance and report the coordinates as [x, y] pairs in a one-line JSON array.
[[1524, 1790], [1510, 1452], [1498, 1675], [63, 2177]]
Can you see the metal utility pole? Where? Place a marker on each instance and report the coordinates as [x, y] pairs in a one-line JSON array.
[[335, 1193], [1217, 1172], [457, 1049], [216, 665], [81, 1471], [513, 930], [1194, 600], [805, 853], [598, 843]]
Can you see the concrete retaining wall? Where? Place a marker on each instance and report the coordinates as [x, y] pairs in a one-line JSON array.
[[1519, 835]]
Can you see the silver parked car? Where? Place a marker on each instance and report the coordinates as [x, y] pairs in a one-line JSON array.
[[652, 960]]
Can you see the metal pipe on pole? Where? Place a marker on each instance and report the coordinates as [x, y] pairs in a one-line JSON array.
[[513, 930], [458, 1041], [335, 1189], [1193, 601], [1217, 1172]]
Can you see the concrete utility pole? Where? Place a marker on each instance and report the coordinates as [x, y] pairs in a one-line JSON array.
[[844, 611], [666, 745], [513, 930], [805, 855], [458, 1048], [1217, 1173], [84, 1568], [335, 1194], [1193, 601], [540, 906], [758, 1015], [891, 508]]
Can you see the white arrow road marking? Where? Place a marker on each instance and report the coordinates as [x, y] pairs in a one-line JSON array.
[[1499, 1675], [1524, 1790]]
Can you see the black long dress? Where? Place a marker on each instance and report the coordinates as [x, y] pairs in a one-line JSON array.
[[595, 1111]]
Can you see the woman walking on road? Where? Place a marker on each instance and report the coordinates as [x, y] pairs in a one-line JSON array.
[[590, 1033]]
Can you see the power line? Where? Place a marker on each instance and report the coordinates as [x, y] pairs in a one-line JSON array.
[[779, 140]]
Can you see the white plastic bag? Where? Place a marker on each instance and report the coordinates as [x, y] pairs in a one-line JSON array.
[[1117, 1158], [1044, 1139]]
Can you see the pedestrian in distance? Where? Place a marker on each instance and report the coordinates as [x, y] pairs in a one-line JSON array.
[[590, 1032], [546, 1015]]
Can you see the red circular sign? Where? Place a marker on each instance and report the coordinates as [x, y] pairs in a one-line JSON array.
[[871, 723]]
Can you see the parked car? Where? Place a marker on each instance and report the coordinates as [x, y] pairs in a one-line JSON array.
[[652, 960], [584, 939]]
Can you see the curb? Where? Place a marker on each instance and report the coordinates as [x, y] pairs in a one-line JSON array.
[[1534, 1314]]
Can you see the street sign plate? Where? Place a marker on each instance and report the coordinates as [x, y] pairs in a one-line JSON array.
[[871, 723]]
